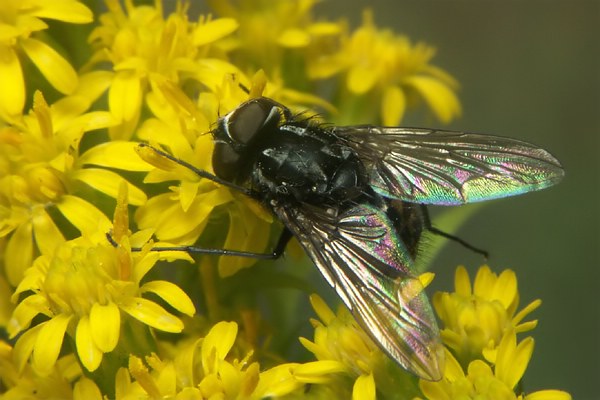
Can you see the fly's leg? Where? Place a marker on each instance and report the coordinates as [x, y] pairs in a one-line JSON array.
[[436, 231], [282, 242]]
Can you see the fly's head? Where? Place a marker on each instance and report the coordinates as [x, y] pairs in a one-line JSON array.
[[238, 133]]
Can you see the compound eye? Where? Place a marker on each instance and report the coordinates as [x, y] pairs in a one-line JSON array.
[[247, 121], [225, 161]]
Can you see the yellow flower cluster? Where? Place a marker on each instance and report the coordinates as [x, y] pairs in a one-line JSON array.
[[87, 309], [483, 358]]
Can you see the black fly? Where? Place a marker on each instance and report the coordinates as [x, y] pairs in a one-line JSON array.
[[355, 198]]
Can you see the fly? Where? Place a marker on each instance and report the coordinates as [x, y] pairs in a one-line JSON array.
[[355, 198]]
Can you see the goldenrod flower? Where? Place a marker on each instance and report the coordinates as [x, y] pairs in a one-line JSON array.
[[65, 381], [19, 21], [482, 380], [205, 369], [83, 288], [384, 73], [145, 49], [346, 350], [476, 317], [275, 35], [41, 169], [21, 381]]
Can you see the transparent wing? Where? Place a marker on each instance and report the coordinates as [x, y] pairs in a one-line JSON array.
[[363, 259], [449, 168]]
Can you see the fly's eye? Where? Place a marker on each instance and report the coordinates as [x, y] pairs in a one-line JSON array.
[[225, 161], [247, 121]]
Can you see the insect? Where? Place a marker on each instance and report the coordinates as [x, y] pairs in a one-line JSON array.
[[355, 198]]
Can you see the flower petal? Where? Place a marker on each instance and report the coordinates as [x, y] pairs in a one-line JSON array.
[[116, 154], [51, 64], [217, 344], [440, 98], [187, 193], [73, 127], [360, 79], [125, 95], [293, 38], [548, 395], [277, 381], [172, 294], [24, 347], [11, 82], [393, 105], [70, 11], [18, 253], [47, 234], [462, 282], [364, 388], [145, 264], [105, 323], [93, 84], [520, 361], [86, 389], [25, 311], [85, 217], [505, 288], [152, 314], [108, 182], [89, 354], [214, 30], [317, 371], [323, 311], [48, 343]]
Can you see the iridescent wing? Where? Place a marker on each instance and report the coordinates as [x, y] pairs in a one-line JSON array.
[[361, 256], [449, 168]]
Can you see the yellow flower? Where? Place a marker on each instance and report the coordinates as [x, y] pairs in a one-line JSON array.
[[481, 380], [23, 382], [270, 32], [475, 318], [19, 20], [40, 169], [385, 73], [205, 369], [82, 289], [348, 356], [145, 49]]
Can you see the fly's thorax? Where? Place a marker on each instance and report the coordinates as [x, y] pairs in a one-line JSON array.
[[310, 165]]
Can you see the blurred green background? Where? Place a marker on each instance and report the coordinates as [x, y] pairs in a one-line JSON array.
[[529, 70]]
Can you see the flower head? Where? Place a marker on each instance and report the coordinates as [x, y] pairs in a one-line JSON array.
[[205, 368], [483, 357], [496, 381], [83, 289], [385, 73], [272, 35], [20, 21], [477, 317], [354, 364], [40, 169], [146, 49]]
